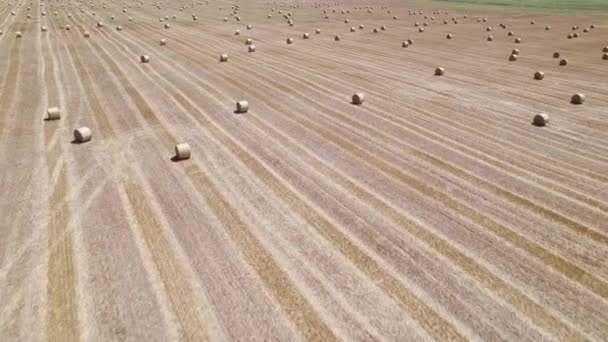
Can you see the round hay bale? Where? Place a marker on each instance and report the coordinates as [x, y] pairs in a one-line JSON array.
[[251, 48], [605, 49], [43, 29], [306, 35], [383, 28], [510, 33], [449, 36], [82, 134], [570, 36], [346, 21], [18, 34], [248, 41], [249, 27], [167, 26], [532, 22], [547, 28], [237, 33], [53, 113], [337, 38], [358, 98], [223, 57], [439, 71], [145, 59], [517, 40], [556, 54], [118, 28], [563, 62], [225, 19], [515, 52], [575, 35], [586, 30], [488, 29], [182, 151], [513, 58], [405, 44], [353, 29], [86, 34], [99, 24], [490, 38], [578, 98], [410, 41], [361, 27], [289, 40], [540, 119], [242, 106], [605, 56], [592, 26], [420, 30], [376, 30], [539, 75], [163, 42], [318, 31]]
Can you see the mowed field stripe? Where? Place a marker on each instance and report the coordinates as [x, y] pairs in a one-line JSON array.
[[63, 321]]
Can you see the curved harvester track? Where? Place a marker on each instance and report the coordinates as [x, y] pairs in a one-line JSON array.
[[434, 210]]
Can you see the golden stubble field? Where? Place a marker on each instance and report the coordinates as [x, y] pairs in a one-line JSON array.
[[433, 210]]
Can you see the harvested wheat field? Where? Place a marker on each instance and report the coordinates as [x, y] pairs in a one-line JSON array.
[[259, 170]]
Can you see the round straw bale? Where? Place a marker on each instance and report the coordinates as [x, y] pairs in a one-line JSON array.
[[99, 24], [53, 113], [358, 98], [383, 28], [510, 33], [540, 119], [449, 36], [289, 40], [605, 56], [82, 134], [518, 40], [242, 106], [578, 98], [421, 29], [361, 27], [43, 29], [405, 44], [353, 29], [182, 151], [556, 54], [118, 28], [605, 49], [223, 57], [317, 31], [439, 71], [249, 27], [248, 41], [163, 42], [539, 75], [18, 34], [563, 62], [251, 48], [144, 59], [86, 34], [410, 41], [513, 58], [237, 33], [547, 28], [306, 35], [515, 52], [490, 38], [337, 38]]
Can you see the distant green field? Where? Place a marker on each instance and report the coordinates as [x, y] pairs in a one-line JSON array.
[[536, 5]]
